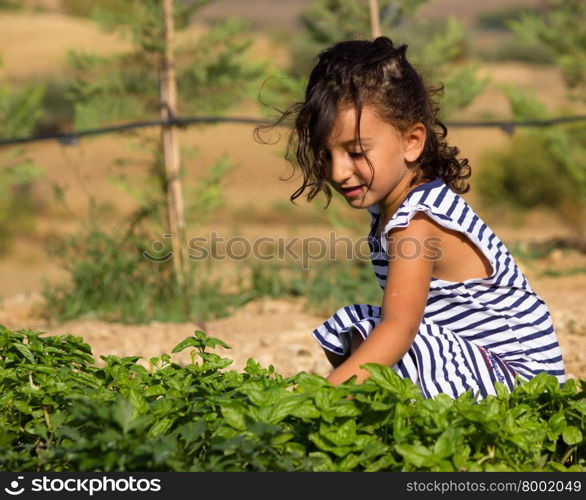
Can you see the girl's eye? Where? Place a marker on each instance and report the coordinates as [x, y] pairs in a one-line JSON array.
[[357, 154]]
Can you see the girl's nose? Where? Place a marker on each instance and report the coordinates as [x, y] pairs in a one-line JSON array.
[[341, 170]]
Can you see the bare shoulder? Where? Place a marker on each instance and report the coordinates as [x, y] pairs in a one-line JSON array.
[[454, 256], [421, 226]]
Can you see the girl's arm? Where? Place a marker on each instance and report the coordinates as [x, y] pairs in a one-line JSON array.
[[335, 359], [404, 299]]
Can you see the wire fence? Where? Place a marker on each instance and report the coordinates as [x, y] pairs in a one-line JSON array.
[[72, 138]]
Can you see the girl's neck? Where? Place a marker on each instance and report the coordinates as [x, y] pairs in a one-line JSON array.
[[392, 202]]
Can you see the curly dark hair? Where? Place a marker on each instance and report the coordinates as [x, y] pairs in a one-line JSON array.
[[376, 73]]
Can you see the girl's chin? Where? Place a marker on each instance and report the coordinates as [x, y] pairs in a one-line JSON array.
[[358, 202]]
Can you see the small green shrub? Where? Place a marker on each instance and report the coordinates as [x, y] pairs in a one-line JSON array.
[[111, 278], [273, 280], [336, 283], [18, 204], [529, 174], [526, 175], [60, 412]]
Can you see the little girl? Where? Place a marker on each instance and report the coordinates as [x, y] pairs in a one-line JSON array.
[[457, 313]]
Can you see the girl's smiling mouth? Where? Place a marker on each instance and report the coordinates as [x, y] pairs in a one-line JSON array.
[[352, 191]]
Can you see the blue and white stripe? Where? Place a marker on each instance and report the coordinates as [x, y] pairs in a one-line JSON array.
[[474, 333]]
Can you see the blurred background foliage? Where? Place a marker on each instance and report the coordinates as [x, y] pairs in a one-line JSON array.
[[437, 49], [540, 167], [545, 166], [20, 111], [213, 73]]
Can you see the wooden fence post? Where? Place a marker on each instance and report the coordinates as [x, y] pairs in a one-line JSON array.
[[374, 19], [171, 151]]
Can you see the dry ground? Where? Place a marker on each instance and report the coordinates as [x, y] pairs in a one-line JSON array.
[[272, 331]]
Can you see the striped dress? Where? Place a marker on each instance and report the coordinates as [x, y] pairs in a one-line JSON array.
[[473, 333]]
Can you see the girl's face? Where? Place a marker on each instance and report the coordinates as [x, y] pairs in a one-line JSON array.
[[386, 148]]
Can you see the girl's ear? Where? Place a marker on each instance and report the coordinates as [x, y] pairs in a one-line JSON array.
[[414, 141]]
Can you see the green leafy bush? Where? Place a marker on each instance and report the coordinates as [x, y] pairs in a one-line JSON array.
[[60, 412]]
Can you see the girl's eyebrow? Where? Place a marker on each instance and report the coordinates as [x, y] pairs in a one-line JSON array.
[[353, 142], [350, 142]]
